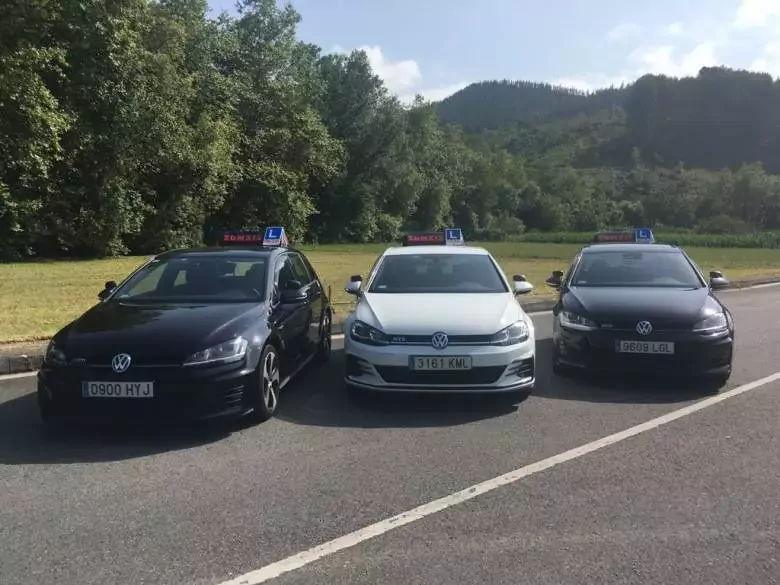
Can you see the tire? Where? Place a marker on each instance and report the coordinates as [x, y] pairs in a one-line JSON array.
[[265, 397], [557, 368], [326, 340], [52, 423], [714, 384]]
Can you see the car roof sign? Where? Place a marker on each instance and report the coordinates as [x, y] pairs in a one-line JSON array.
[[275, 236], [613, 237], [424, 239], [447, 237], [453, 237], [635, 236], [242, 237], [644, 236]]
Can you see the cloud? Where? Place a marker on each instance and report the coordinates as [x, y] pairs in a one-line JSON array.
[[662, 60], [403, 78], [592, 82], [398, 75], [435, 94], [674, 29], [658, 60], [769, 62], [756, 13], [624, 31]]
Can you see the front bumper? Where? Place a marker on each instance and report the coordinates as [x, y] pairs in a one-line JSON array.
[[180, 393], [494, 369], [694, 354]]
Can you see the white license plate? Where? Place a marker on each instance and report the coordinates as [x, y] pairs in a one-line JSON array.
[[117, 389], [651, 347], [436, 363]]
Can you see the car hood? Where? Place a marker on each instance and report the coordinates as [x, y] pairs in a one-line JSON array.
[[155, 333], [660, 306], [425, 314]]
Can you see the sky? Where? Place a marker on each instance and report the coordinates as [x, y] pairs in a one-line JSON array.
[[436, 47]]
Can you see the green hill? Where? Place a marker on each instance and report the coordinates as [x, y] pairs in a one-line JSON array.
[[720, 118]]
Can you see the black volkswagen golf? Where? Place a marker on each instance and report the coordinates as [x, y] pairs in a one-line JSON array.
[[192, 334], [640, 307]]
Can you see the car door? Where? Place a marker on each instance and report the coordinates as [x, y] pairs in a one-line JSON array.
[[314, 296], [290, 318]]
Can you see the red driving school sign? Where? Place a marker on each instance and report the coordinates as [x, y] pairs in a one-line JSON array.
[[250, 238], [614, 237], [429, 238]]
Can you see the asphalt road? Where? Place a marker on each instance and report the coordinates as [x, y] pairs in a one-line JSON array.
[[692, 501]]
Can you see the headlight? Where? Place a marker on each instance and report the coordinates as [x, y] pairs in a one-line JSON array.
[[516, 333], [713, 324], [229, 351], [364, 333], [571, 320], [54, 355]]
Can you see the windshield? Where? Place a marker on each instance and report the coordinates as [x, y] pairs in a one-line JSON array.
[[634, 268], [198, 279], [438, 273]]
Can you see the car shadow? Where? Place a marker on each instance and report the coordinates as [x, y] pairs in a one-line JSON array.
[[318, 397], [617, 389], [24, 439]]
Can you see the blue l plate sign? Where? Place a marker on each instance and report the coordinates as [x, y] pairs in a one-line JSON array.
[[273, 233], [643, 235]]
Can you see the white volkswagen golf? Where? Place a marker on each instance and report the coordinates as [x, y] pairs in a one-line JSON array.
[[438, 316]]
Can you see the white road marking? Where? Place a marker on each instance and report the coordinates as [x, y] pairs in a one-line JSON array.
[[754, 287], [354, 538], [5, 377]]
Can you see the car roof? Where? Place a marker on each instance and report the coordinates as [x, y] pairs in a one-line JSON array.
[[231, 251], [629, 247], [417, 250]]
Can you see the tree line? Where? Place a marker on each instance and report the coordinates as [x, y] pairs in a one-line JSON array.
[[134, 126]]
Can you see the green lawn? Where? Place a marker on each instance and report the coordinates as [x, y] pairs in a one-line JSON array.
[[37, 298]]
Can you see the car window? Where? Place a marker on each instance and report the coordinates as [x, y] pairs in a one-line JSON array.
[[438, 273], [635, 268], [153, 273], [197, 279], [312, 273], [285, 272], [299, 269]]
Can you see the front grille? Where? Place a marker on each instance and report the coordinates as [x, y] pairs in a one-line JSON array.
[[172, 395], [659, 326], [685, 358], [396, 339], [403, 375]]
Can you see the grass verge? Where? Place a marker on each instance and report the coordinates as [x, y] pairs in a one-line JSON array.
[[38, 298]]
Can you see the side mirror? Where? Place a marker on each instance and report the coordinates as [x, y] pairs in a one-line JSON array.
[[718, 281], [522, 286], [292, 294], [354, 284], [107, 290], [555, 279]]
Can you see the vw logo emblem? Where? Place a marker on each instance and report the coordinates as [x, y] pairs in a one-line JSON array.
[[121, 362], [644, 328], [439, 340]]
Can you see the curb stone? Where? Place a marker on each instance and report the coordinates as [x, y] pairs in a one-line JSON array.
[[30, 362]]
